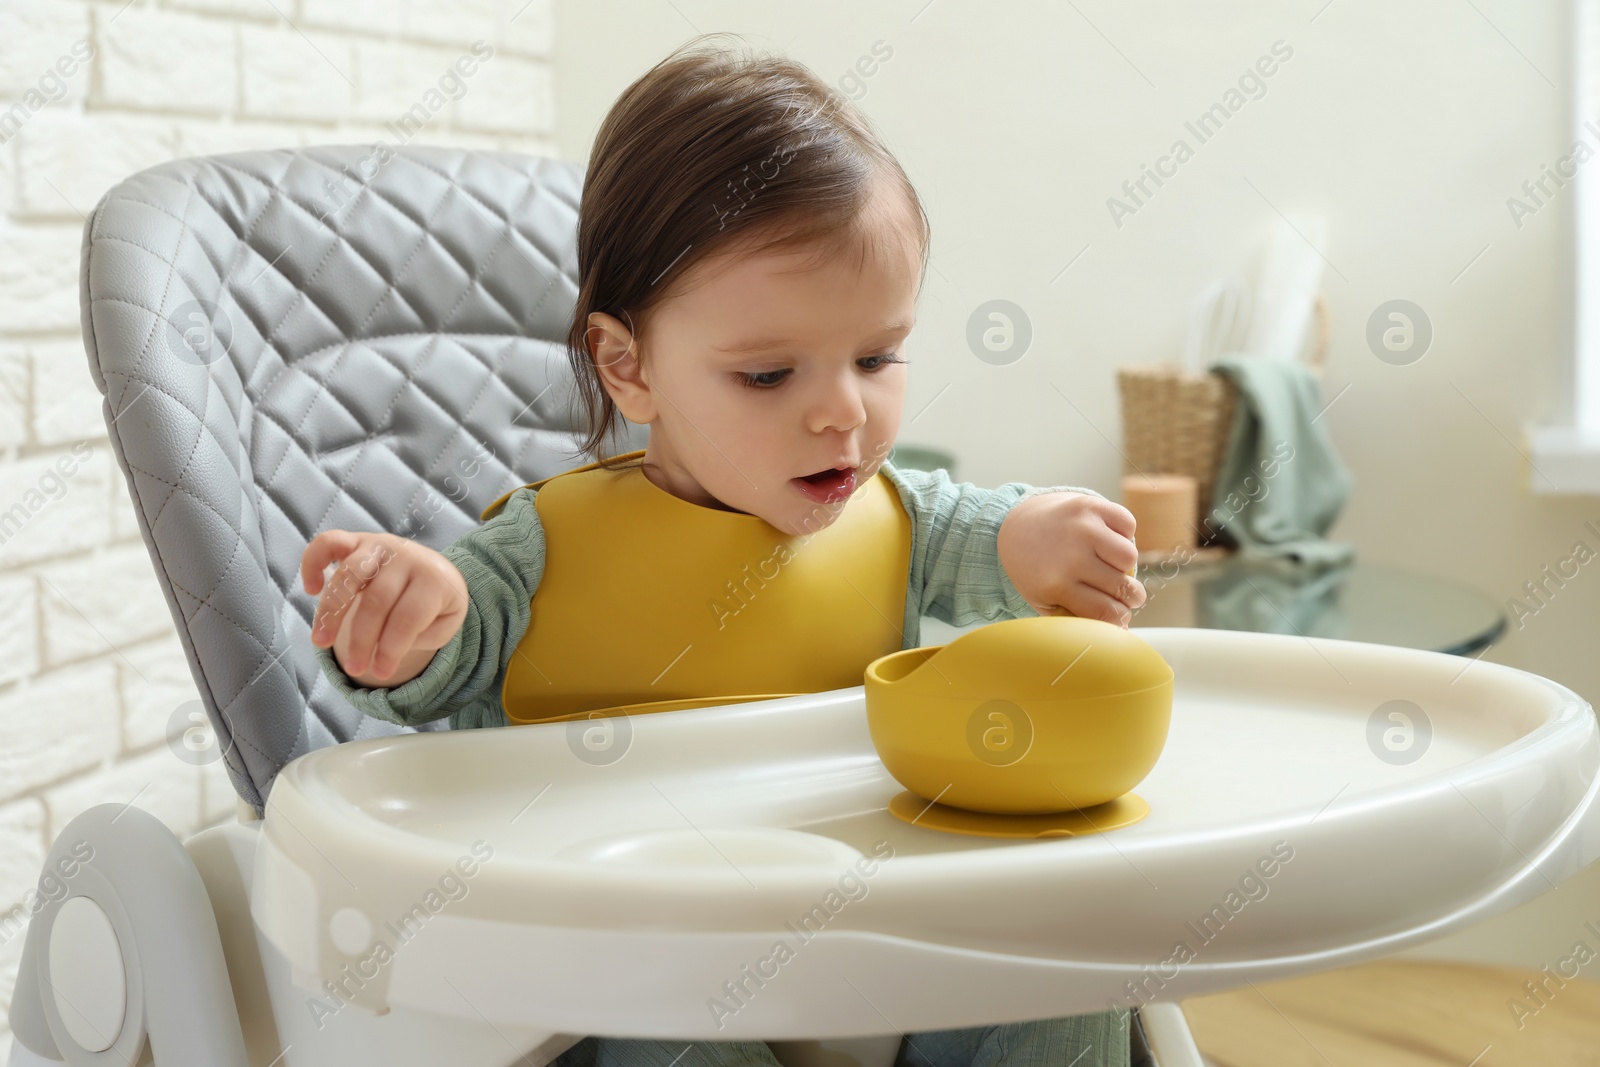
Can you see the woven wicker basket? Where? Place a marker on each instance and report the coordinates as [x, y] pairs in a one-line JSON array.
[[1174, 422]]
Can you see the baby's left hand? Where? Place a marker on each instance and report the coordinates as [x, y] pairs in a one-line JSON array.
[[1070, 554]]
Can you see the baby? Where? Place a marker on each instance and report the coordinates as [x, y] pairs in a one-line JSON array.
[[749, 258]]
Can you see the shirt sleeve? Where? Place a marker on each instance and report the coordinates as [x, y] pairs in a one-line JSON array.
[[502, 562], [956, 576]]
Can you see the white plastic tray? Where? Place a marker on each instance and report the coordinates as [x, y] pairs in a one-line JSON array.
[[634, 888]]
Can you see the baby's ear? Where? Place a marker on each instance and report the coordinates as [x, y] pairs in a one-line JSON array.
[[615, 352]]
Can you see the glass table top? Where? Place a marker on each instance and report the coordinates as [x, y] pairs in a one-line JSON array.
[[1356, 601]]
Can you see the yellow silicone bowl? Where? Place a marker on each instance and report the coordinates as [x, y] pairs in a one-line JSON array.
[[1023, 716]]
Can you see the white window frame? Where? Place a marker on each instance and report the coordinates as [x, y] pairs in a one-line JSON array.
[[1567, 455]]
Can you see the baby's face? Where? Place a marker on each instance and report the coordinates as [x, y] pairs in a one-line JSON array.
[[757, 376]]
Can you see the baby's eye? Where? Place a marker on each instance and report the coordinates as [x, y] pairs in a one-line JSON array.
[[760, 380], [766, 380]]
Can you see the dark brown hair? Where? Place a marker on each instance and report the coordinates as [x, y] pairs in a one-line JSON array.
[[707, 148]]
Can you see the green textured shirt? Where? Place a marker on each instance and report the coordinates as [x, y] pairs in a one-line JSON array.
[[955, 577]]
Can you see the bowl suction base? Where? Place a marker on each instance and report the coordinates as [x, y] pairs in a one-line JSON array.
[[1074, 822]]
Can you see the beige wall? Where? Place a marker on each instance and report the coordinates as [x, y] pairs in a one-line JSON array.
[[1406, 126]]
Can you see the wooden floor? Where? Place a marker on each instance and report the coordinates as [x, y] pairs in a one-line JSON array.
[[1405, 1014]]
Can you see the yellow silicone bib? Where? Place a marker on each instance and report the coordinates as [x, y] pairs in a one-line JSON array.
[[651, 603]]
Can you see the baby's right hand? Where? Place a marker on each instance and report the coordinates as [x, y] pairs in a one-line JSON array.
[[389, 600]]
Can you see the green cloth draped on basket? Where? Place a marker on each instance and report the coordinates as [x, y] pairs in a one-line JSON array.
[[1280, 485]]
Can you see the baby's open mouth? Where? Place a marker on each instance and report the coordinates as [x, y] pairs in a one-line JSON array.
[[828, 486]]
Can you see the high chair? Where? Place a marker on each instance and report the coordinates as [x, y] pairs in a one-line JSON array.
[[339, 336]]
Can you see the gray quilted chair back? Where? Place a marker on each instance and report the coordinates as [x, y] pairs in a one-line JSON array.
[[296, 340]]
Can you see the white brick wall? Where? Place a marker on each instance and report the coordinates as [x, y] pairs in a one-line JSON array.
[[91, 669]]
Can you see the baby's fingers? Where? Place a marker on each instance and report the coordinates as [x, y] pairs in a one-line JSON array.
[[355, 570], [1116, 551], [1116, 517], [1119, 585], [372, 610], [1088, 602], [337, 599], [325, 548], [412, 613]]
